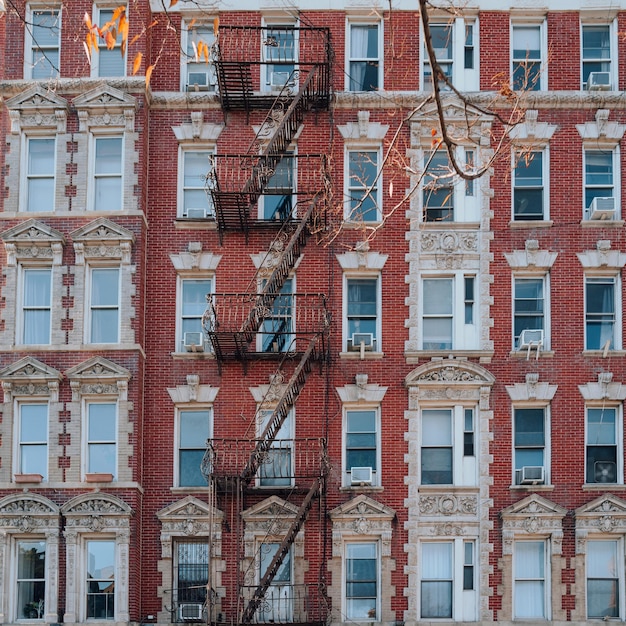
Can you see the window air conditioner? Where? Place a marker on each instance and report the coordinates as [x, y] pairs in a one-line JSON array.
[[190, 611], [602, 209], [194, 342], [196, 212], [198, 81], [358, 339], [530, 338], [599, 81], [361, 476], [279, 79], [531, 475], [605, 472]]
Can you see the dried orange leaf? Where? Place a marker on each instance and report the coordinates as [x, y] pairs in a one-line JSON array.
[[173, 2], [193, 21], [216, 25], [87, 51], [134, 39], [433, 131], [109, 40], [149, 74], [137, 62], [87, 19], [118, 12]]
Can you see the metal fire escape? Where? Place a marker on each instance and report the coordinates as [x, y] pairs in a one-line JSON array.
[[233, 322]]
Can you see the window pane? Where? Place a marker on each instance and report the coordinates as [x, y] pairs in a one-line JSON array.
[[194, 297], [601, 426], [437, 427], [104, 289], [436, 466], [529, 427], [108, 155], [437, 296], [31, 560], [34, 460], [526, 42], [33, 423], [100, 579], [361, 580], [102, 422]]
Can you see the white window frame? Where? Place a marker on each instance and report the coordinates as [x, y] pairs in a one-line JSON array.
[[90, 308], [519, 579], [611, 61], [95, 176], [20, 444], [19, 608], [267, 66], [88, 402], [27, 177], [616, 339], [87, 540], [182, 279], [615, 174], [283, 441], [619, 566], [546, 448], [524, 158], [372, 190], [203, 185], [347, 278], [462, 77], [373, 614], [618, 444], [190, 28], [23, 308], [542, 82], [364, 22], [292, 156], [377, 468], [98, 11], [545, 315], [31, 45], [200, 443]]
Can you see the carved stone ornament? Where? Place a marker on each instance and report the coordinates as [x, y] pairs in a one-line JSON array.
[[26, 513], [535, 515], [102, 238], [448, 242], [448, 505], [95, 512], [606, 514], [37, 107]]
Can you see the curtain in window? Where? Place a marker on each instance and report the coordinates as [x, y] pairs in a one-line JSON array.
[[602, 579], [530, 579], [358, 50], [436, 598], [36, 307]]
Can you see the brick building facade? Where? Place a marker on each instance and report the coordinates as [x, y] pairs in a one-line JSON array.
[[266, 359]]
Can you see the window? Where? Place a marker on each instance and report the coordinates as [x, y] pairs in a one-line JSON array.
[[530, 580], [363, 186], [100, 579], [196, 200], [277, 200], [600, 312], [436, 451], [469, 565], [107, 175], [104, 305], [277, 606], [527, 57], [193, 304], [277, 327], [195, 429], [528, 187], [277, 469], [364, 63], [102, 438], [601, 451], [33, 439], [604, 582], [528, 307], [469, 442], [362, 310], [108, 61], [442, 41], [596, 54], [31, 579], [40, 177], [191, 575], [599, 179], [362, 603], [437, 579], [36, 304], [43, 32], [362, 445], [197, 73], [530, 445], [439, 189], [280, 47]]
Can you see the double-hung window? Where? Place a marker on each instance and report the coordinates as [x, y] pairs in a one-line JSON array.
[[36, 306], [191, 575], [31, 579], [600, 313], [278, 326], [33, 439], [102, 438], [530, 441], [43, 36], [193, 304], [107, 173], [530, 586], [362, 309], [602, 445], [436, 592], [100, 582], [438, 318], [198, 72], [528, 307], [278, 604], [194, 430], [109, 61], [104, 305], [280, 48], [442, 41], [196, 166], [438, 189], [276, 469], [437, 447], [605, 572], [362, 575], [40, 174], [596, 56], [364, 61], [528, 187], [277, 201], [362, 433], [363, 186], [527, 50], [600, 195]]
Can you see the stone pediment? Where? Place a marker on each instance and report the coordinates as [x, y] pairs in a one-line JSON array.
[[606, 514], [36, 98], [89, 504], [362, 507], [29, 369], [34, 233], [604, 505], [103, 98], [188, 507], [96, 369], [20, 504], [534, 505], [104, 231], [450, 371], [270, 508]]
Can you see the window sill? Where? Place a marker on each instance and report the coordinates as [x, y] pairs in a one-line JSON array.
[[367, 356], [602, 223], [603, 487], [27, 478], [188, 223], [362, 488], [99, 477], [597, 353], [523, 354], [207, 354], [452, 225], [532, 487], [530, 223], [484, 356]]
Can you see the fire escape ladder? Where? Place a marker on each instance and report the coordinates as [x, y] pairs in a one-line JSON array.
[[277, 419], [281, 553]]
